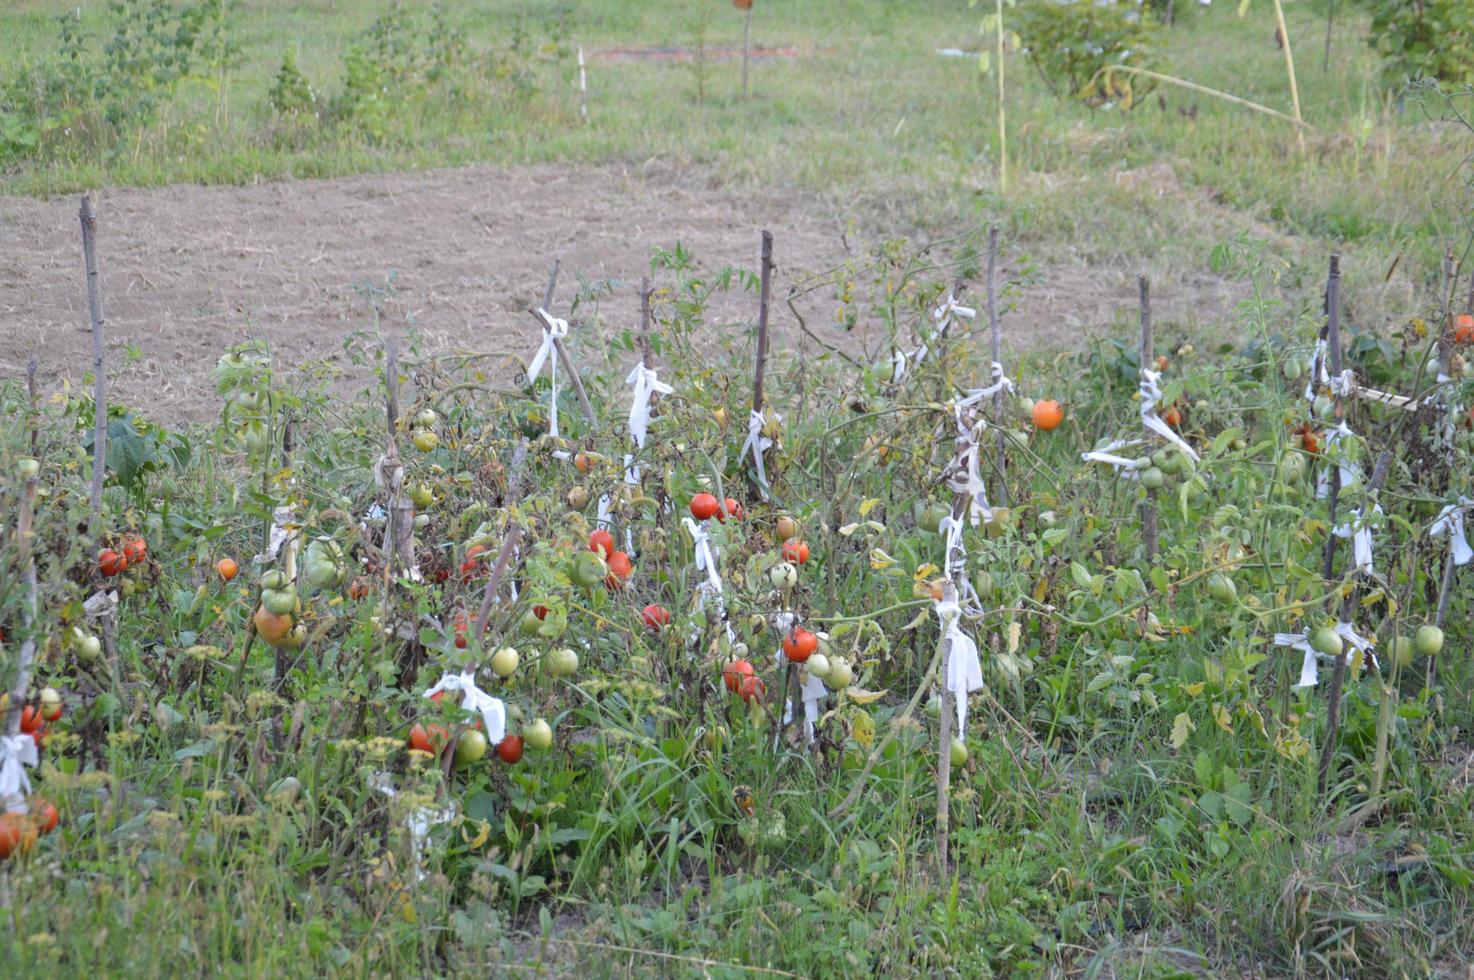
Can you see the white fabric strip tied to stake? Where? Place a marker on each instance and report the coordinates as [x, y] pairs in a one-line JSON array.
[[964, 670], [755, 445], [1349, 474], [1450, 524], [1151, 394], [492, 711], [1359, 530], [16, 753], [646, 384], [706, 563], [970, 482], [812, 693], [554, 329], [418, 822], [1309, 673], [1319, 373], [946, 314]]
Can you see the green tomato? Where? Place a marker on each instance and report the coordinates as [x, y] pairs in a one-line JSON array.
[[422, 496], [1402, 649], [470, 748], [279, 602], [274, 578], [538, 735], [504, 662], [426, 441], [1327, 641], [562, 662], [1429, 640], [1153, 478], [1221, 588], [254, 438], [1166, 460], [426, 419], [529, 624], [589, 569], [959, 752], [929, 516]]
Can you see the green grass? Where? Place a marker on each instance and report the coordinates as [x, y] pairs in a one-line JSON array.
[[870, 121], [1141, 794]]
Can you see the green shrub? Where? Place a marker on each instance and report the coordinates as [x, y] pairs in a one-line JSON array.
[[1074, 43], [290, 94], [1424, 39]]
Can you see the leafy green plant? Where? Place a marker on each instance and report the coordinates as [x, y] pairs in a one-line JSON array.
[[1073, 42], [290, 95], [1424, 39]]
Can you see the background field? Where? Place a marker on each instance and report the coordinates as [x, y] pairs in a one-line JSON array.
[[864, 134]]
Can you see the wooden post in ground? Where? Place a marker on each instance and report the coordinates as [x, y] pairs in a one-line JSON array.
[[1148, 344], [996, 332], [746, 45], [761, 368]]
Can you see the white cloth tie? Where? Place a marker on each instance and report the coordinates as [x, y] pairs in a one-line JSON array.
[[492, 711], [1359, 530], [755, 445], [964, 671], [1349, 474], [554, 329], [645, 384], [1150, 395], [16, 753], [1450, 522], [1309, 674]]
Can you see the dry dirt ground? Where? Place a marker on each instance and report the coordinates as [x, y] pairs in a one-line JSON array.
[[187, 270]]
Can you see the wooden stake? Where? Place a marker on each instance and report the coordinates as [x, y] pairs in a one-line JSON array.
[[645, 356], [569, 367], [1338, 672], [99, 371], [24, 538], [1148, 344], [1279, 17], [1330, 21], [1328, 560], [996, 331], [760, 370], [746, 40]]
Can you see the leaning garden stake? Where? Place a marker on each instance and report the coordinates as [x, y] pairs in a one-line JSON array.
[[550, 352], [757, 442], [995, 334]]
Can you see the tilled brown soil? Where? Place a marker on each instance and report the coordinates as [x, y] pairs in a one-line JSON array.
[[188, 270]]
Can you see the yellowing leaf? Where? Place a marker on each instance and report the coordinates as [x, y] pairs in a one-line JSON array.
[[1193, 690], [861, 696], [1182, 727], [1015, 633], [926, 571], [879, 560], [1220, 715], [867, 505]]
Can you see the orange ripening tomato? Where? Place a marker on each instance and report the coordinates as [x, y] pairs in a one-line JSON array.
[[1172, 417], [1310, 443], [795, 551], [620, 568], [43, 813], [227, 569], [1464, 328], [17, 834], [1048, 414], [135, 549]]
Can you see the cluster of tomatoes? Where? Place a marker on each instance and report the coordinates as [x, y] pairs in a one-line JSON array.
[[132, 552], [20, 831]]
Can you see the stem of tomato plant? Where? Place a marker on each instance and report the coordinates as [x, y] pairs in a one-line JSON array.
[[1149, 507]]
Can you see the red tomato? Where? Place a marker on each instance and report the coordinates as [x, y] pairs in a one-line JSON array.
[[620, 568], [428, 738], [509, 749], [135, 549], [603, 542], [44, 814], [730, 508], [540, 611], [17, 833], [472, 562], [704, 506], [656, 617], [795, 551], [111, 563], [752, 687], [735, 673], [799, 644], [30, 719]]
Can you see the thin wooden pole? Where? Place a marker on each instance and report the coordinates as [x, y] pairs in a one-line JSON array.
[[24, 537], [562, 350], [996, 330], [1328, 561], [761, 367], [1330, 21], [746, 41], [99, 372], [1148, 344], [1279, 17], [645, 355]]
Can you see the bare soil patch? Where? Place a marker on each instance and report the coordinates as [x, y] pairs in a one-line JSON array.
[[188, 270]]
